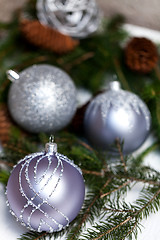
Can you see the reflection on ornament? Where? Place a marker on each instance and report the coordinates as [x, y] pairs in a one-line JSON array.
[[124, 120], [117, 114], [42, 98], [74, 18], [46, 190]]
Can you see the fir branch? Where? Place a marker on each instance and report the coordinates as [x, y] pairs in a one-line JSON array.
[[144, 209], [6, 163], [132, 230], [121, 176], [79, 60], [32, 59], [134, 179], [158, 109], [87, 211], [131, 217], [121, 75], [86, 146], [157, 71], [4, 85], [4, 25], [136, 162], [119, 210], [116, 22], [116, 189], [121, 154], [33, 236], [101, 174], [4, 175], [15, 149], [112, 229]]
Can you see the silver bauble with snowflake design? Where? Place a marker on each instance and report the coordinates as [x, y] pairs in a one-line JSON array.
[[76, 18], [45, 191], [42, 98], [117, 115]]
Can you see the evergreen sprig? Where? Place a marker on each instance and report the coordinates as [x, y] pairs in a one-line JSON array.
[[4, 175]]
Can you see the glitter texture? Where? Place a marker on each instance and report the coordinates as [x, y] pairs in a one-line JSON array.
[[117, 114], [43, 99], [71, 17], [45, 191]]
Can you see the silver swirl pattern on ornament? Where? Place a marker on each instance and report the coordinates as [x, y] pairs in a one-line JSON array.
[[30, 202], [37, 184]]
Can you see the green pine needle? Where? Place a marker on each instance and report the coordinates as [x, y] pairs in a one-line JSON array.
[[4, 175]]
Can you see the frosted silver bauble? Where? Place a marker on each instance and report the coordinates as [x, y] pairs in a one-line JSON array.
[[45, 191], [76, 18], [117, 115], [42, 98]]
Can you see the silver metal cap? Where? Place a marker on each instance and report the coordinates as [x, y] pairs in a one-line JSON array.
[[51, 147], [12, 75], [115, 86]]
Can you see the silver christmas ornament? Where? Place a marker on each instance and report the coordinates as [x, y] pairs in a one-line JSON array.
[[45, 191], [76, 18], [117, 114], [42, 98]]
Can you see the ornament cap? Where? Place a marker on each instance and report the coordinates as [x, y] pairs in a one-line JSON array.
[[115, 86], [51, 147], [12, 75]]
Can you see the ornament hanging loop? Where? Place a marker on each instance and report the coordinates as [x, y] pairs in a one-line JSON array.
[[51, 146], [51, 139], [12, 75]]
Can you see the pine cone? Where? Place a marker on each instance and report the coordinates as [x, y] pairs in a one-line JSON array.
[[141, 55], [46, 37], [5, 124]]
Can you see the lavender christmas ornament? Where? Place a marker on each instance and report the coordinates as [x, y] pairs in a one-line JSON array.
[[42, 98], [117, 114], [46, 190]]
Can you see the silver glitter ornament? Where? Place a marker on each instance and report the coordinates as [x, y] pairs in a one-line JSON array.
[[42, 98], [45, 191], [117, 114], [76, 18]]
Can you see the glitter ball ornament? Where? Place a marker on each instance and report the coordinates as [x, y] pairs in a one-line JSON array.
[[71, 17], [42, 98], [117, 114], [46, 190]]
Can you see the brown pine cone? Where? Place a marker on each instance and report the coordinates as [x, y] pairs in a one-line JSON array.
[[141, 55], [46, 37], [5, 124]]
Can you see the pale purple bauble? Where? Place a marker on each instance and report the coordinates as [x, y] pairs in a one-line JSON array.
[[117, 114], [45, 191]]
